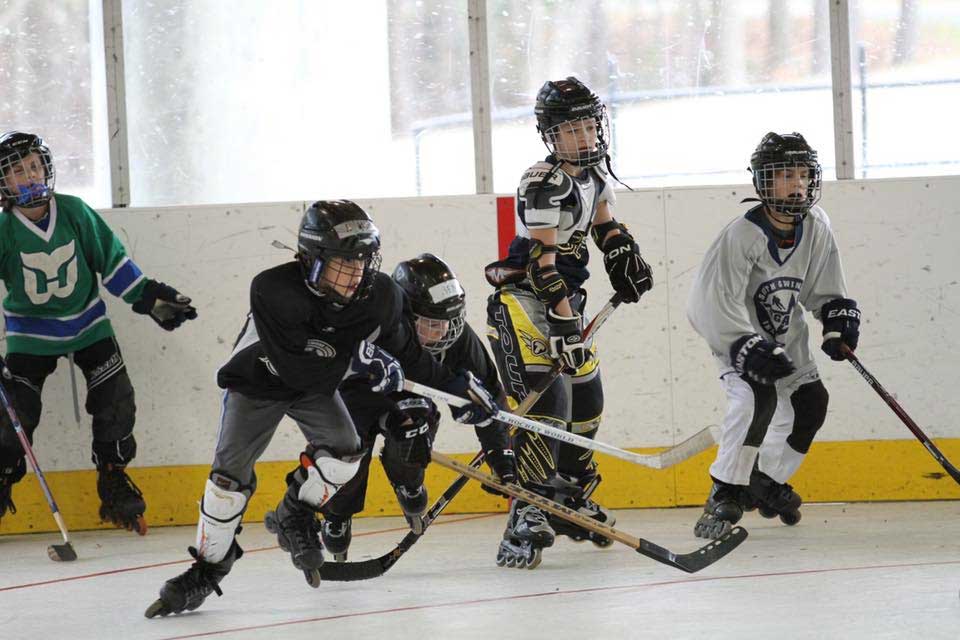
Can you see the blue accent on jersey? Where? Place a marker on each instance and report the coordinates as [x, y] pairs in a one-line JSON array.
[[123, 277], [54, 328]]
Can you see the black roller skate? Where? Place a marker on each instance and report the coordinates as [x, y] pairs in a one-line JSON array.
[[528, 532], [576, 494], [775, 499], [121, 501], [336, 534], [296, 527], [187, 591], [723, 509], [413, 502]]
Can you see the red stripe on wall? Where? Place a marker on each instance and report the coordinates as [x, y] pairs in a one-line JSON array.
[[506, 224]]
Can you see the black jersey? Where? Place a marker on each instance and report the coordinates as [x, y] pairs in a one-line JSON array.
[[469, 353], [549, 198], [293, 342]]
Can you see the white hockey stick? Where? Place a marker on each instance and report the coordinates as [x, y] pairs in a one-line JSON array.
[[690, 447]]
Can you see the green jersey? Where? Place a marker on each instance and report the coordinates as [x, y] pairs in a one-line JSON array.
[[53, 303]]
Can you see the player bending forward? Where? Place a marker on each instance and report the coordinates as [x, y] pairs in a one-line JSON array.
[[327, 315], [748, 300], [535, 316], [436, 307]]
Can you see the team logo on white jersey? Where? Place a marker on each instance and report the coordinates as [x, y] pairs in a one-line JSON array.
[[775, 300], [321, 348], [47, 275]]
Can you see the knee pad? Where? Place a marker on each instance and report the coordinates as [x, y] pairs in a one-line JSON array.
[[574, 460], [536, 454], [112, 405], [13, 466], [115, 452], [321, 474], [221, 509], [809, 412], [764, 406]]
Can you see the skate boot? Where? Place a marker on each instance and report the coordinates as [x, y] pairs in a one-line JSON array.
[[336, 535], [187, 591], [575, 494], [6, 498], [528, 532], [121, 501], [722, 510], [413, 502], [775, 499], [296, 527]]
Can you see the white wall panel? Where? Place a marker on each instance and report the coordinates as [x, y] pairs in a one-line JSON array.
[[897, 239]]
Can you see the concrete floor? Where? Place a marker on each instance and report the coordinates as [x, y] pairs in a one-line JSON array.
[[880, 570]]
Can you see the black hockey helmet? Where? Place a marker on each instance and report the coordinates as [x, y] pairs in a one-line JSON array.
[[778, 152], [15, 146], [337, 229], [436, 298], [570, 101]]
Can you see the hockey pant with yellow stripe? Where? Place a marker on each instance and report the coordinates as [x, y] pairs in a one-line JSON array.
[[517, 329]]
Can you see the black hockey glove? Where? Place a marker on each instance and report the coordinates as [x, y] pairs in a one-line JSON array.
[[629, 275], [483, 405], [168, 307], [411, 426], [379, 367], [566, 340], [760, 360], [841, 325]]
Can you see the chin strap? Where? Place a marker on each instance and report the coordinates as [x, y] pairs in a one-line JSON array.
[[613, 175]]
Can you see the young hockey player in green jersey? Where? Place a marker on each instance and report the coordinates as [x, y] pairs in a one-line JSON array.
[[52, 248]]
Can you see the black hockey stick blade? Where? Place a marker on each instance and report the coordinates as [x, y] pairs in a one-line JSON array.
[[62, 552], [695, 560]]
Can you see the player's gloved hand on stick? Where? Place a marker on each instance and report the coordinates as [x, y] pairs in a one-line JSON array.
[[381, 368], [566, 340], [841, 326], [482, 405], [629, 274], [168, 307], [760, 360], [411, 426]]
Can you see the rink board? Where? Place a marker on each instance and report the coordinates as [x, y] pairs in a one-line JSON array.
[[868, 470]]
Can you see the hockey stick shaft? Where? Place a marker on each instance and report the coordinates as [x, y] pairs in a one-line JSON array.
[[544, 383], [28, 450], [652, 461], [902, 414], [690, 563]]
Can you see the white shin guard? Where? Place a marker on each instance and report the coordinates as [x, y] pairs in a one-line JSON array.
[[325, 476], [220, 513]]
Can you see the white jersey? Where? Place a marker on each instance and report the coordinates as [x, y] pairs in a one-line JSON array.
[[747, 284], [565, 203]]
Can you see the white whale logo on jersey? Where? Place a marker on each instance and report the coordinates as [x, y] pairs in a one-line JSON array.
[[321, 348], [46, 275], [775, 300]]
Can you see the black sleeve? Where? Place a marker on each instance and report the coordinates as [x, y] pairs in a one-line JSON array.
[[474, 357], [281, 317], [399, 338]]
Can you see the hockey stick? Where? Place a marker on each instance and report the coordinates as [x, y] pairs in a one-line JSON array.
[[376, 567], [62, 552], [906, 419], [689, 562], [700, 442]]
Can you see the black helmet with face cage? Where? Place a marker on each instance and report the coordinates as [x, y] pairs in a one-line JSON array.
[[780, 152], [563, 101]]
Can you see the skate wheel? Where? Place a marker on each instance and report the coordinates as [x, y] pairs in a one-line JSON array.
[[534, 561], [416, 524], [155, 609], [270, 521], [340, 557], [601, 542], [313, 577], [140, 525], [791, 518], [501, 559], [766, 512]]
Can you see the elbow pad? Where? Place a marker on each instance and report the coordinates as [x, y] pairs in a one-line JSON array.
[[547, 283]]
